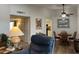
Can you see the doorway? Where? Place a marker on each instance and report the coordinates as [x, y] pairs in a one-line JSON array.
[[24, 24], [49, 27]]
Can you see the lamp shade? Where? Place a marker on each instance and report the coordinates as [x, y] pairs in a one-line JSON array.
[[15, 31]]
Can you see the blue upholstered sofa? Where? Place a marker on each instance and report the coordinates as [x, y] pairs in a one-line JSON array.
[[40, 44]]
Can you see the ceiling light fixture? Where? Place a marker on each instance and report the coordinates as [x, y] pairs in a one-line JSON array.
[[63, 13]]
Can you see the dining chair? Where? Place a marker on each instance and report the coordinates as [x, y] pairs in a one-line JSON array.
[[73, 36], [55, 36]]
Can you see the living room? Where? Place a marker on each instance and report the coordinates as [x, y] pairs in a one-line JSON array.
[[42, 19]]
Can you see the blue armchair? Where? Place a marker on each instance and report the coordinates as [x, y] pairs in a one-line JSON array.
[[40, 45]]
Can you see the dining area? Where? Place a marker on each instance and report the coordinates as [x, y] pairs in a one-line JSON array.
[[65, 42]]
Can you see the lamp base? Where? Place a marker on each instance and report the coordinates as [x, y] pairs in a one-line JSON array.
[[15, 40]]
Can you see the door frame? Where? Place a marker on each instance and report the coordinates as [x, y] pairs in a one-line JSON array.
[[29, 23]]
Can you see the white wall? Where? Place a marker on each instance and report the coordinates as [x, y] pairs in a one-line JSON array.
[[32, 12], [78, 22], [4, 18], [78, 19], [72, 19]]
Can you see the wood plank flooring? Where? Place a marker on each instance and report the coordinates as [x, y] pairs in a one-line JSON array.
[[60, 49]]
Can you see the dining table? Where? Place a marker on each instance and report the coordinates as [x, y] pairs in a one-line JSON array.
[[64, 37]]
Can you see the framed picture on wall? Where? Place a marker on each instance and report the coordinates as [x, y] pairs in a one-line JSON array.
[[63, 23], [38, 23]]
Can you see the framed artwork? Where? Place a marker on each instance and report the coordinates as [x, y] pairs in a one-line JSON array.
[[63, 23], [38, 23]]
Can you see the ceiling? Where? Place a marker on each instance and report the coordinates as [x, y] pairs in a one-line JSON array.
[[56, 6]]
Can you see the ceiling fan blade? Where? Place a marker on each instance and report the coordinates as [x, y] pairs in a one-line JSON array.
[[69, 14]]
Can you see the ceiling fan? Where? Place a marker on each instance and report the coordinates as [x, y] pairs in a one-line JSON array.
[[64, 14]]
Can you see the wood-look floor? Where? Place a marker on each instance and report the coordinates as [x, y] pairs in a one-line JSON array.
[[66, 49]]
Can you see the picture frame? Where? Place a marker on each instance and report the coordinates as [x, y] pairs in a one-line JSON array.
[[38, 23], [63, 23]]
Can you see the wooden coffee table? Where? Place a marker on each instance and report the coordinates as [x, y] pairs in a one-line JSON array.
[[4, 50]]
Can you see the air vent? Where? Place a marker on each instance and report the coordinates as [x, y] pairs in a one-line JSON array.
[[20, 12]]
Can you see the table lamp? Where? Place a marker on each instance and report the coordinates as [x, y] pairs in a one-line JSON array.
[[14, 33]]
